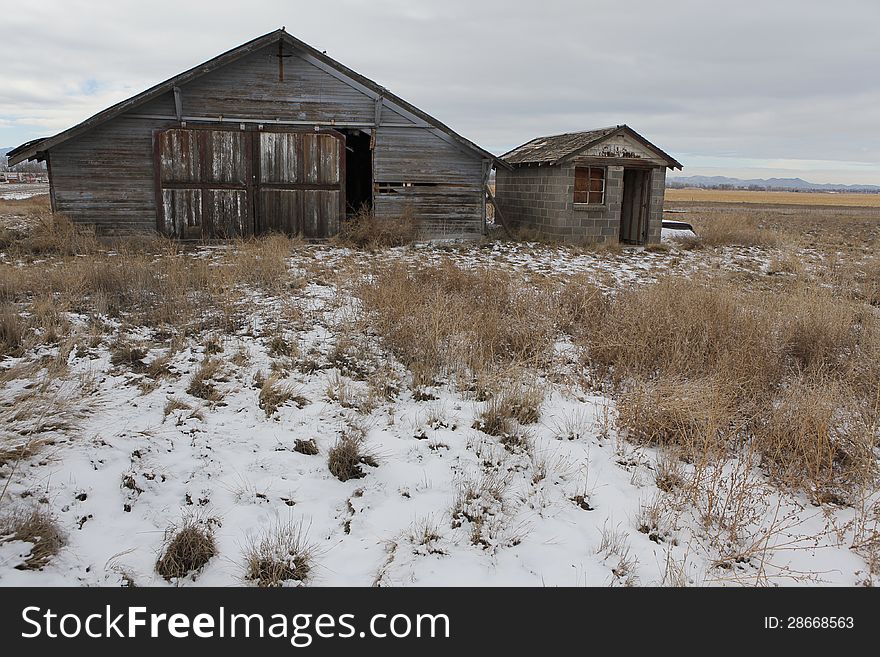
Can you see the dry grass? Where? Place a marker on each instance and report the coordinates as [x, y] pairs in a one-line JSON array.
[[12, 331], [308, 447], [366, 231], [274, 394], [733, 229], [710, 368], [446, 322], [279, 555], [37, 527], [513, 404], [203, 384], [347, 456], [188, 548]]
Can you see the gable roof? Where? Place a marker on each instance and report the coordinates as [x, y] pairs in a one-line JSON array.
[[36, 148], [556, 148]]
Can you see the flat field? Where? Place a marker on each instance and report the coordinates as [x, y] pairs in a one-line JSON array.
[[693, 194]]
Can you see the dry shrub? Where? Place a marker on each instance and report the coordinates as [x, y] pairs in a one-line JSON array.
[[274, 394], [308, 447], [696, 417], [811, 439], [734, 229], [706, 369], [128, 354], [262, 261], [187, 549], [280, 554], [444, 321], [366, 231], [36, 527], [680, 329], [512, 403], [12, 331], [579, 303], [480, 505], [347, 456], [55, 234], [202, 383]]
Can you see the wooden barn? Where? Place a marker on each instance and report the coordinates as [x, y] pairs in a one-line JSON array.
[[594, 186], [271, 136]]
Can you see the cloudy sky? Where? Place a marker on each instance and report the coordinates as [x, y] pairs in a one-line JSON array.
[[748, 88]]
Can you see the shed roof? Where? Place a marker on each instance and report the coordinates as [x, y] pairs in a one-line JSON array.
[[37, 147], [554, 149]]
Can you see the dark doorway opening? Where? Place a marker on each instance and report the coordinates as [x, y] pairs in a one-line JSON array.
[[358, 172], [634, 206]]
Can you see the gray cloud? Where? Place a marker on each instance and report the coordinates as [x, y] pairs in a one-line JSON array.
[[747, 80]]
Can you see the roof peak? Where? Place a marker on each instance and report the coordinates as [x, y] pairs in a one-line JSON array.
[[553, 149]]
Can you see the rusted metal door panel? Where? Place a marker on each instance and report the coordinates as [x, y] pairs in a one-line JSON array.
[[301, 182]]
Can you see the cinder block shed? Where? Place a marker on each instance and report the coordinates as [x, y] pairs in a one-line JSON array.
[[593, 186]]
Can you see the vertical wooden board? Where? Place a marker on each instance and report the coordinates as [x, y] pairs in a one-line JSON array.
[[320, 213], [329, 152], [183, 213], [331, 202], [179, 155], [227, 156], [311, 158], [226, 213], [281, 210], [279, 161]]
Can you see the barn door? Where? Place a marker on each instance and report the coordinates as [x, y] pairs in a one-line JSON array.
[[300, 186], [204, 178]]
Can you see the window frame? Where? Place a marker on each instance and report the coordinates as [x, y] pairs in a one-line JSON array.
[[588, 192]]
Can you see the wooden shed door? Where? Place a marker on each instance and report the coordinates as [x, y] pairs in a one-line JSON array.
[[204, 183], [301, 182], [215, 184]]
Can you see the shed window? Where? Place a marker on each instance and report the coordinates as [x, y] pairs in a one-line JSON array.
[[589, 185]]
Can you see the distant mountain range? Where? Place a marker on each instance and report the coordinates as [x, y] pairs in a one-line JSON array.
[[797, 184]]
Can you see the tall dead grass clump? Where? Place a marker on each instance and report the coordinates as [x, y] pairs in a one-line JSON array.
[[443, 321], [366, 231], [734, 229], [36, 527], [262, 261], [188, 548], [52, 233], [279, 555], [812, 439], [12, 331], [710, 369]]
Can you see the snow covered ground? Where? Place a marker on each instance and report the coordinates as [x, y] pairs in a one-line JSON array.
[[569, 511], [20, 191]]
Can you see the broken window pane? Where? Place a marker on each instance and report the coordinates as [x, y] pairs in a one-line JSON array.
[[589, 185]]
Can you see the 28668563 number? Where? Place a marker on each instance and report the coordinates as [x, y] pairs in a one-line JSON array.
[[809, 622]]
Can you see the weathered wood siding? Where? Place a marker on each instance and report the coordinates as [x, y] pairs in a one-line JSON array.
[[440, 184], [106, 175]]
